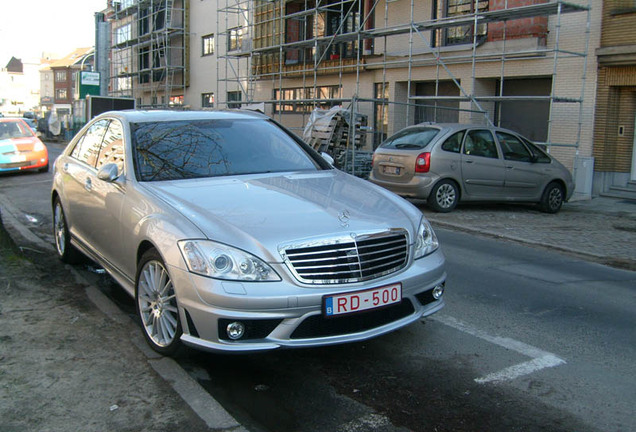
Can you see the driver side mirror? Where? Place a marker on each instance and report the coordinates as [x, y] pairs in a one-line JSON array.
[[108, 172], [328, 158]]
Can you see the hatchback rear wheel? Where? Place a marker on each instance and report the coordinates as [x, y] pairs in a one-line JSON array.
[[444, 196], [157, 304]]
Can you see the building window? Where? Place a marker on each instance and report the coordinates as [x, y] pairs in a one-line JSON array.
[[207, 45], [60, 76], [207, 100], [623, 7], [464, 34], [61, 94], [381, 109], [298, 100], [341, 18], [176, 100], [123, 34], [234, 96], [235, 39]]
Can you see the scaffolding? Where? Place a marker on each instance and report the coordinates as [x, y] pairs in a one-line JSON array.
[[299, 55], [149, 52]]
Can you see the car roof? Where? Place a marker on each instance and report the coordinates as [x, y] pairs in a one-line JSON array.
[[143, 116], [458, 126]]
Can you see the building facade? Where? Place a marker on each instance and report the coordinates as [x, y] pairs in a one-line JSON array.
[[614, 136], [149, 51], [524, 64]]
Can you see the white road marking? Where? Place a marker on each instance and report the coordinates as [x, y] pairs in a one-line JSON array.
[[540, 359]]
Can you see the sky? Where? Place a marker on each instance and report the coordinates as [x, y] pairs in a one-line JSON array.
[[30, 27]]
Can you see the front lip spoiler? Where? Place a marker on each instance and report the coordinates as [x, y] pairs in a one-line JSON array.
[[271, 344]]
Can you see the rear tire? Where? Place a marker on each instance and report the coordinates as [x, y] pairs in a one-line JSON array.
[[157, 305], [552, 198], [444, 196], [65, 250]]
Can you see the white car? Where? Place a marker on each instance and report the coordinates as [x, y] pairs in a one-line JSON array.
[[234, 235]]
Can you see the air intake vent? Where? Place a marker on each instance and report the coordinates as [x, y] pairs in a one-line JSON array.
[[347, 260]]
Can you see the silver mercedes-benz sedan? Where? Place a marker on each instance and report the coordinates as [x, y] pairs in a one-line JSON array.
[[234, 235]]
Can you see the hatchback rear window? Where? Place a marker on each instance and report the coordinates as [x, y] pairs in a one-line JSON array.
[[415, 138]]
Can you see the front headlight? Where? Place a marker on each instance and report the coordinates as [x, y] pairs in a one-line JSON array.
[[426, 240], [216, 260], [38, 147]]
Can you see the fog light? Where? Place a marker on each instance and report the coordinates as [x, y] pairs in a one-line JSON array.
[[438, 291], [235, 330]]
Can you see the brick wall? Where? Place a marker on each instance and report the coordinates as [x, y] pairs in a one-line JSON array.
[[619, 25], [519, 28]]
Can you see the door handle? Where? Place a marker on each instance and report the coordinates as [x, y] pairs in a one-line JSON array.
[[88, 185], [469, 161]]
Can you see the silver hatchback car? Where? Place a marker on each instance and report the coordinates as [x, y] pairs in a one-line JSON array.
[[448, 163], [234, 235]]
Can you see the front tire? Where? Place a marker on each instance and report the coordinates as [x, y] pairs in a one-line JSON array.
[[65, 250], [157, 304], [444, 196], [552, 198]]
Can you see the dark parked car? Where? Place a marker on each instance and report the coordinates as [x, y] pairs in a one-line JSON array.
[[450, 163]]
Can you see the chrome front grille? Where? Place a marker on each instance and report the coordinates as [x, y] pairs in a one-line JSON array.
[[348, 259]]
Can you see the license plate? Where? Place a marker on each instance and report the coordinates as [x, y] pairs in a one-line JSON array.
[[391, 170], [342, 304], [18, 158]]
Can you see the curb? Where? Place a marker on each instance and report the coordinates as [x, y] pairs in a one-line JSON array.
[[619, 263], [195, 396]]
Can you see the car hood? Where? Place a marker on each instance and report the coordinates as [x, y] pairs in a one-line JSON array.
[[17, 144], [260, 213]]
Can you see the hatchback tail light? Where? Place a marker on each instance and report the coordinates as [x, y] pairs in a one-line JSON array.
[[423, 163]]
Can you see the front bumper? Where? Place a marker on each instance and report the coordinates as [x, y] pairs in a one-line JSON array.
[[31, 162], [289, 315]]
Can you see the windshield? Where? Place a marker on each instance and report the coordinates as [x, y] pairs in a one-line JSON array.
[[211, 148], [414, 138], [14, 129]]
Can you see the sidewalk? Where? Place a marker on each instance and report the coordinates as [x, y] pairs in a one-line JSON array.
[[64, 365], [602, 229]]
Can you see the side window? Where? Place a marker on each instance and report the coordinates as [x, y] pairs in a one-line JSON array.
[[87, 148], [539, 154], [454, 143], [513, 149], [112, 150], [481, 143]]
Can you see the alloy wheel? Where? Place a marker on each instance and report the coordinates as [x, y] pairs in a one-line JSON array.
[[446, 196], [157, 304], [59, 224]]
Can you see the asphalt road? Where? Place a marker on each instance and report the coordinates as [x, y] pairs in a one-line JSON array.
[[530, 340]]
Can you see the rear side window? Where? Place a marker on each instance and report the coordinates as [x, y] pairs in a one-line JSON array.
[[415, 138], [454, 143], [480, 143], [87, 148]]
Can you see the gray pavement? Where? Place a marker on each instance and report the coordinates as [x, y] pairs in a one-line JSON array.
[[601, 229], [64, 364]]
